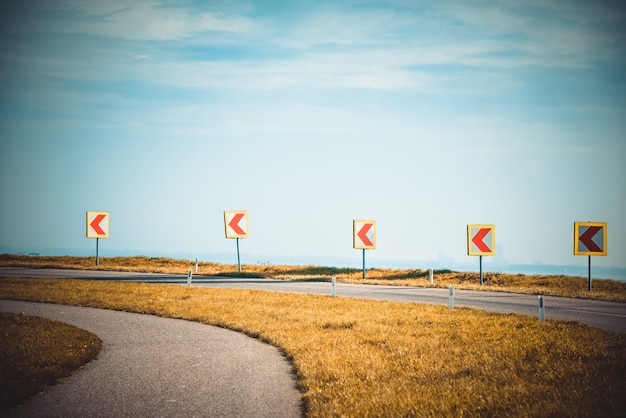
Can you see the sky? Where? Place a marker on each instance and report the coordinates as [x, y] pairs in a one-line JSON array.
[[423, 116]]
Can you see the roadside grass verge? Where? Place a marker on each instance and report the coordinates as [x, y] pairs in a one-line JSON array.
[[360, 358], [550, 285], [36, 353]]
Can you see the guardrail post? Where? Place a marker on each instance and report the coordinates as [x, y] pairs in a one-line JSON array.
[[451, 298], [189, 277]]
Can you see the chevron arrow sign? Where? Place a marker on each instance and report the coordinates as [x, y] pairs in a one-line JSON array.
[[364, 234], [97, 224], [590, 238], [481, 239], [236, 223]]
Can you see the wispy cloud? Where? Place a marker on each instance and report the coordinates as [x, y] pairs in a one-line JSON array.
[[402, 46], [556, 34], [136, 20]]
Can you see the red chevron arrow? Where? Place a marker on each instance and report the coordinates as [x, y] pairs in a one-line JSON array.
[[234, 224], [587, 239], [95, 224], [478, 240], [363, 235]]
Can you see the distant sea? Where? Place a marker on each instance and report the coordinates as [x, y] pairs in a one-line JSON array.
[[597, 272]]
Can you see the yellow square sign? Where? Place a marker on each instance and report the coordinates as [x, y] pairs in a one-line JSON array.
[[481, 239], [590, 238], [97, 224], [236, 223], [364, 234]]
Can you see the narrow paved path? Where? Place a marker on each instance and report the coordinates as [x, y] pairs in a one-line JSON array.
[[158, 367]]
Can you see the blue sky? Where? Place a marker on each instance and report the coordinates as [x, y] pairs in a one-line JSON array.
[[424, 116]]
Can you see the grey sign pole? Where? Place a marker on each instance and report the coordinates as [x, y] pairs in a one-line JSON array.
[[97, 257], [238, 259], [363, 262], [480, 262], [589, 273]]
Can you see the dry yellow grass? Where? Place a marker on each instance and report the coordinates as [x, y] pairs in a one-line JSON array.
[[371, 358], [37, 352], [567, 286]]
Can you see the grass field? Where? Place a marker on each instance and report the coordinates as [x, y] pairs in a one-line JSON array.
[[566, 286], [36, 353], [371, 358]]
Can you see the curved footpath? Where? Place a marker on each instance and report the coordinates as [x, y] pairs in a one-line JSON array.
[[159, 367]]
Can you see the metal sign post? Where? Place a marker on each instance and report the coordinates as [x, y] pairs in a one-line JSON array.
[[97, 256], [589, 274], [363, 262], [238, 259], [480, 263]]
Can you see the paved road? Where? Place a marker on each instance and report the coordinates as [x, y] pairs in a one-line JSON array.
[[159, 367], [600, 314], [605, 315]]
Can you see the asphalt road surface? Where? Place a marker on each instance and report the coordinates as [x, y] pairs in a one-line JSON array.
[[605, 315], [159, 367]]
